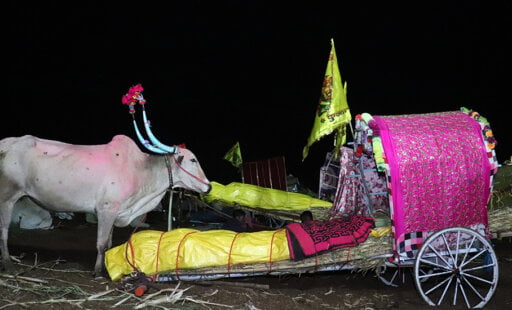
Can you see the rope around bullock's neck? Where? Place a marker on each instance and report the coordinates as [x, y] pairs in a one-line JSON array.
[[169, 170], [171, 183]]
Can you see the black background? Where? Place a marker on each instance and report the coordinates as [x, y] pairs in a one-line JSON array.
[[218, 72]]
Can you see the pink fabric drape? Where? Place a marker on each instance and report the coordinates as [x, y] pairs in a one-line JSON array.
[[350, 196], [439, 171]]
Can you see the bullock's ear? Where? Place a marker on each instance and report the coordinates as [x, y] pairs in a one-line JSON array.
[[180, 159]]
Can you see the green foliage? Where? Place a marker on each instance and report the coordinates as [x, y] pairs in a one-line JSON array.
[[502, 192]]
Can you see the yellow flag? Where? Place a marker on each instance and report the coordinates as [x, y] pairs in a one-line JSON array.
[[332, 112], [234, 156]]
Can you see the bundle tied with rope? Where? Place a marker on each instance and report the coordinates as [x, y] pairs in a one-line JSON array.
[[152, 252]]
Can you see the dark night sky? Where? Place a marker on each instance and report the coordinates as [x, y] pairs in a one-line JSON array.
[[217, 72]]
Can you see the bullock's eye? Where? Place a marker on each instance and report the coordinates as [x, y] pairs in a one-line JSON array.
[[193, 160]]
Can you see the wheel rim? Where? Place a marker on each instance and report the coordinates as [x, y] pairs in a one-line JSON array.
[[456, 265]]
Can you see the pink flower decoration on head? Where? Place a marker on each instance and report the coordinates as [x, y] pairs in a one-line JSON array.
[[127, 99], [136, 88], [132, 96]]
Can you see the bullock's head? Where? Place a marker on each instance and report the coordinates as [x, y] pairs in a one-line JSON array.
[[187, 172]]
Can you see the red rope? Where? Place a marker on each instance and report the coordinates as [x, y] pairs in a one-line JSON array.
[[187, 172], [158, 252], [271, 247], [178, 252], [132, 251], [230, 250], [399, 263], [129, 243], [348, 254]]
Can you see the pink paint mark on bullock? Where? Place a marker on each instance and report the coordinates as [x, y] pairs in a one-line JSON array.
[[96, 159], [128, 187], [51, 148]]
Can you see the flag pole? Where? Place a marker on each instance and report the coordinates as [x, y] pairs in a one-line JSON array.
[[333, 113]]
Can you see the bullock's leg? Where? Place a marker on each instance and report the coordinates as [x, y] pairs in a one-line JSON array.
[[104, 240], [5, 220]]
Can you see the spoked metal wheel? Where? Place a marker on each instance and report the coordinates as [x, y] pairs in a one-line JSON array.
[[392, 277], [456, 266], [274, 223], [395, 276]]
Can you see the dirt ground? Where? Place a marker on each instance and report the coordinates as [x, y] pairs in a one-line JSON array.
[[56, 273]]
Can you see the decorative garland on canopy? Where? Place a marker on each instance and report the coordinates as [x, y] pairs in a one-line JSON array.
[[131, 98]]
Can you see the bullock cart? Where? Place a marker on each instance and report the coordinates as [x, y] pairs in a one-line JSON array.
[[438, 170]]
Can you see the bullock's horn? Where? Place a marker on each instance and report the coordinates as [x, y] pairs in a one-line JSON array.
[[154, 140], [145, 142], [133, 96]]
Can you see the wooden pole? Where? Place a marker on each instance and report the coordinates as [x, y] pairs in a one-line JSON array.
[[169, 214]]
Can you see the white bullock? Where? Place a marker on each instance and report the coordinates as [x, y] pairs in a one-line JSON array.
[[115, 181]]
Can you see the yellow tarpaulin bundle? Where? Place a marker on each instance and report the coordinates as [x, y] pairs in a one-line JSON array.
[[152, 251], [266, 198], [380, 231]]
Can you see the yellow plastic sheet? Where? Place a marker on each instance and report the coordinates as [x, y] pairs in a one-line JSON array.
[[380, 231], [266, 198], [154, 251]]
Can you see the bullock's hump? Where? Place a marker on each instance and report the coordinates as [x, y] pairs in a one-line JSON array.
[[123, 140], [124, 145]]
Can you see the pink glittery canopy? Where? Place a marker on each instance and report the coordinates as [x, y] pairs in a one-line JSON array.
[[439, 170]]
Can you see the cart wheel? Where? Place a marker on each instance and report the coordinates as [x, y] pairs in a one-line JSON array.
[[394, 277], [456, 264], [274, 223]]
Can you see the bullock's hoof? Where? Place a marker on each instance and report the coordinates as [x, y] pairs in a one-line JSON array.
[[9, 267]]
